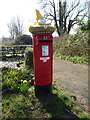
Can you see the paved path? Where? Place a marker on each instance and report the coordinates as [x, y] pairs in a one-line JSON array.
[[73, 78]]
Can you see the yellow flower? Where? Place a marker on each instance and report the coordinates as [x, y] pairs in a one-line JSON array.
[[25, 81], [29, 80], [21, 80]]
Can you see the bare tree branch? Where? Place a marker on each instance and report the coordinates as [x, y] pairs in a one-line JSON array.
[[73, 7], [63, 17], [15, 27]]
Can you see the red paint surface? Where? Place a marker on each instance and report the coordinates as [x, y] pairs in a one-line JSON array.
[[42, 70]]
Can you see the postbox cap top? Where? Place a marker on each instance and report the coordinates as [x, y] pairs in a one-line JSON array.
[[41, 26]]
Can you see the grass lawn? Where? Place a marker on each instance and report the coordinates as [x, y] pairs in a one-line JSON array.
[[19, 100]]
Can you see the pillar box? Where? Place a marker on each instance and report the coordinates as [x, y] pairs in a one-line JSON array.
[[42, 54]]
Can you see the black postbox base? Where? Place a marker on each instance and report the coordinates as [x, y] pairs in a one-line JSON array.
[[42, 90]]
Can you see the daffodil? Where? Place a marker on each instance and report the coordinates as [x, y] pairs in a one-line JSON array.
[[21, 80], [25, 81], [29, 80]]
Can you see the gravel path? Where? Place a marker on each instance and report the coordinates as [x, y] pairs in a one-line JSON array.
[[73, 78], [11, 62], [8, 64]]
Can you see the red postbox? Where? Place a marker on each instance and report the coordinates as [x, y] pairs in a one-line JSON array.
[[42, 54], [42, 57], [42, 45]]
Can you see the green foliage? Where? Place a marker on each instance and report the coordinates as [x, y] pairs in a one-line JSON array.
[[14, 106], [12, 79], [20, 108], [77, 109], [75, 59], [23, 40], [9, 79], [84, 25], [51, 106], [84, 115], [24, 86], [21, 105], [65, 97], [28, 58], [89, 24], [73, 47]]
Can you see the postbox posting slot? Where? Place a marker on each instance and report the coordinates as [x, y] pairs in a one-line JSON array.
[[44, 40]]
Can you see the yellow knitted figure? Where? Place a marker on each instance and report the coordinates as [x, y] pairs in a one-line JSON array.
[[38, 15], [40, 19]]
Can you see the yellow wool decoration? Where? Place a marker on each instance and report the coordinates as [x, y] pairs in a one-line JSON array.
[[38, 15], [48, 24], [30, 26], [55, 26], [37, 23]]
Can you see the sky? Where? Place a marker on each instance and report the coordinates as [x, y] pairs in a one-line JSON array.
[[25, 9]]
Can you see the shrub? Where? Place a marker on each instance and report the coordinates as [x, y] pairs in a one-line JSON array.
[[72, 45], [11, 79], [28, 58], [23, 40]]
